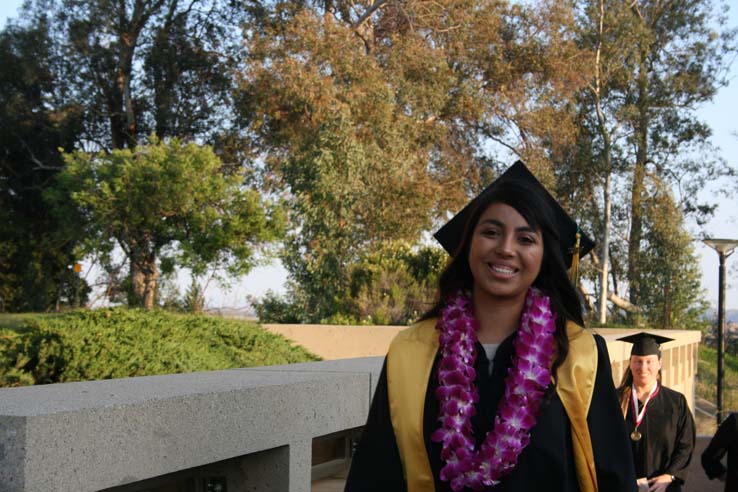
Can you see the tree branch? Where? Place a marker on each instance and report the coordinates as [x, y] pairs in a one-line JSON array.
[[375, 6]]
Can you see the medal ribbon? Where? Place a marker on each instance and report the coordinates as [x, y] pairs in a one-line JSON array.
[[638, 416]]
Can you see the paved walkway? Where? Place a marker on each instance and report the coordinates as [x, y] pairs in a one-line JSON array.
[[330, 484], [697, 480]]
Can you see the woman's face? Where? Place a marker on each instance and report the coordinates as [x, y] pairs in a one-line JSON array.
[[505, 254], [645, 369]]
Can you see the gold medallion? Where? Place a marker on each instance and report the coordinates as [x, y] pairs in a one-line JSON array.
[[635, 435]]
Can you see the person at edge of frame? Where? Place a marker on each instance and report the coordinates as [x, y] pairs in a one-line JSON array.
[[724, 441], [499, 386]]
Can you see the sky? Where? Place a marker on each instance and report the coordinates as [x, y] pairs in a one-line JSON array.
[[720, 115]]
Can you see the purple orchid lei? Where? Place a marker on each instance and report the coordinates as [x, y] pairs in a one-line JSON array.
[[525, 385]]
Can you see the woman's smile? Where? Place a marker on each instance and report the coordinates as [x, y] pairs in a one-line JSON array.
[[503, 271]]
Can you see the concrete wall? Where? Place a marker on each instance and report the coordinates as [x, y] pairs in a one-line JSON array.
[[332, 342], [252, 429], [255, 427]]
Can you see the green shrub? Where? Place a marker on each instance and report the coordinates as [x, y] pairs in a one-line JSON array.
[[392, 284], [276, 308], [116, 343]]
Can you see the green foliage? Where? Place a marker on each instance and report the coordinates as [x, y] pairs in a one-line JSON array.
[[370, 122], [102, 75], [395, 284], [35, 254], [392, 285], [168, 296], [374, 127], [117, 343], [167, 201], [707, 377], [670, 288], [194, 297], [275, 308], [150, 66], [656, 63]]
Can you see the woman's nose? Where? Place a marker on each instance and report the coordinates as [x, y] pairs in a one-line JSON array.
[[505, 246]]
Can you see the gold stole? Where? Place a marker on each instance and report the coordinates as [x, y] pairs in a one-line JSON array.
[[409, 364]]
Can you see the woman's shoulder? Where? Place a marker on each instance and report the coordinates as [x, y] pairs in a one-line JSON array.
[[672, 394], [583, 338], [423, 331], [674, 399]]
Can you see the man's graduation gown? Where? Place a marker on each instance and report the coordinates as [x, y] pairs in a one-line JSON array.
[[667, 439], [547, 463]]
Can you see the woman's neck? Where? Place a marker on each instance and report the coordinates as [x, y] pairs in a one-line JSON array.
[[497, 319], [643, 391]]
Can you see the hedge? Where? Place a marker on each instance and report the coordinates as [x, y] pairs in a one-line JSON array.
[[116, 343]]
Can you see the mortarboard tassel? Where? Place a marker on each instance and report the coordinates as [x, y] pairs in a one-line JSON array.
[[574, 270]]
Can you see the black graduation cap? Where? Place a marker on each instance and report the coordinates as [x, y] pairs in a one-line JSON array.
[[451, 234], [645, 343]]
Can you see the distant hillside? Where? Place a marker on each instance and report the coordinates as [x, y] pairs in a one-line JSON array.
[[731, 315]]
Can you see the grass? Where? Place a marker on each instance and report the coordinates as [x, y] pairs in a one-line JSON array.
[[707, 378]]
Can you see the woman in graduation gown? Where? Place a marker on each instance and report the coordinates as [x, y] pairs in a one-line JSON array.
[[657, 419], [499, 387]]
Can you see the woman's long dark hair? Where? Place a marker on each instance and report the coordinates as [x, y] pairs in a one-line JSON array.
[[553, 279]]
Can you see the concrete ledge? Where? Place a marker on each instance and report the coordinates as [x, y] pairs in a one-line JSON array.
[[338, 341], [255, 426], [99, 434]]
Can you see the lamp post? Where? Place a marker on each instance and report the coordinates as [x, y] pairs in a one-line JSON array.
[[724, 248]]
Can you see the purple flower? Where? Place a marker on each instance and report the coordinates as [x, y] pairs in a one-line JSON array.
[[518, 417], [539, 374], [525, 385]]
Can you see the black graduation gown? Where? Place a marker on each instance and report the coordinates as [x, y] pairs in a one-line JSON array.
[[667, 439], [547, 463], [724, 441]]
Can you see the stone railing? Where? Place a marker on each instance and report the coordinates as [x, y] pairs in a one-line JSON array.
[[262, 429], [236, 430], [330, 342]]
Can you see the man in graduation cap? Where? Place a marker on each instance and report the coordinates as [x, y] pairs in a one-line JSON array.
[[498, 387], [658, 421]]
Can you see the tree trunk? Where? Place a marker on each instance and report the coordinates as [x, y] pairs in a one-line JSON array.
[[586, 296], [667, 305], [638, 184], [607, 164], [623, 304], [151, 275], [138, 283], [605, 246], [614, 276], [144, 277]]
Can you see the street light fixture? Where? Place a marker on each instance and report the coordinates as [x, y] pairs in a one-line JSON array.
[[724, 248]]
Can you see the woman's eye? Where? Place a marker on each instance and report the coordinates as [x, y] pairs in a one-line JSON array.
[[527, 240]]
